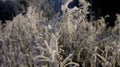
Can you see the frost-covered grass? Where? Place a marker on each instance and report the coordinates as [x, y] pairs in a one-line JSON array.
[[28, 41]]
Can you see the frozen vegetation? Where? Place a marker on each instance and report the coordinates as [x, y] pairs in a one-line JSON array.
[[42, 37]]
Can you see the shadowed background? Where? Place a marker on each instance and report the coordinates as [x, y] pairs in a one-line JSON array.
[[11, 8]]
